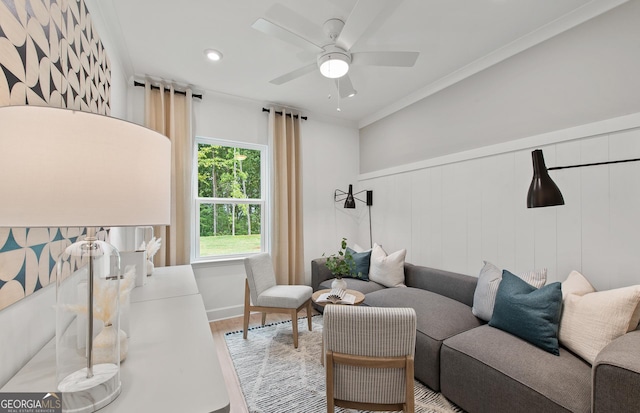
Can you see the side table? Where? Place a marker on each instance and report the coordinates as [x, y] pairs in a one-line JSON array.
[[359, 300]]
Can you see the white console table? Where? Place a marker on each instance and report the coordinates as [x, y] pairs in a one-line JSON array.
[[171, 365]]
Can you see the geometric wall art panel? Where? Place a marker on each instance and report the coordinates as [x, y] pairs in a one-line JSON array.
[[50, 55]]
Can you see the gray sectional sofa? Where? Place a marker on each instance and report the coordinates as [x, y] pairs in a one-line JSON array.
[[483, 369]]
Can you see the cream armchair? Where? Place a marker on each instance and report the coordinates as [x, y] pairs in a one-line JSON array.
[[268, 297]]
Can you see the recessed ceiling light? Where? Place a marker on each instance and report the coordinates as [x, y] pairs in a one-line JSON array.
[[213, 55]]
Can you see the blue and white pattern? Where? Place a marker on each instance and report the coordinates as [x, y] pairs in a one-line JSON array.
[[28, 257], [51, 56]]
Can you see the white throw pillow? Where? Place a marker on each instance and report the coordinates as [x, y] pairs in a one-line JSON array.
[[484, 297], [387, 270], [576, 284], [591, 320]]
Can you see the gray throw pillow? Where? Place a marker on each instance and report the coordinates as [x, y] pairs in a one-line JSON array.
[[484, 297]]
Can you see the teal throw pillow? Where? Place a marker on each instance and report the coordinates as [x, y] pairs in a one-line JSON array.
[[528, 312], [362, 261]]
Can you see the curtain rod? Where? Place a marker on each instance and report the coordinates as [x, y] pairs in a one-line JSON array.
[[179, 92], [288, 114]]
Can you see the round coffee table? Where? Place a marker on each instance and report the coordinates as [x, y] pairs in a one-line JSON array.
[[359, 300], [359, 297]]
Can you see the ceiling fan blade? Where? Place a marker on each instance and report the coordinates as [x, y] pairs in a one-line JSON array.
[[295, 74], [272, 29], [296, 23], [364, 13], [345, 87], [399, 59]]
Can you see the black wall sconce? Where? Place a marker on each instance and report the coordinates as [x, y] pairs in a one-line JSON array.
[[350, 198], [543, 192]]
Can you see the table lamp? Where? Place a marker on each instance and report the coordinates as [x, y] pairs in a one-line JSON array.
[[65, 168]]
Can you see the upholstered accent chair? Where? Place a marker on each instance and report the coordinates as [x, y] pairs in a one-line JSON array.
[[268, 297], [369, 357]]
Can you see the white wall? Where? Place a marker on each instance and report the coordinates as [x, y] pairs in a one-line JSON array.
[[329, 161], [583, 75], [465, 209]]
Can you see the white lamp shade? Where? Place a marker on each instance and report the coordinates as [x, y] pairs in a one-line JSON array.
[[65, 168]]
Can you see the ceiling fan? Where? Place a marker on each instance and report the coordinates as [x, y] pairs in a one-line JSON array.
[[335, 58]]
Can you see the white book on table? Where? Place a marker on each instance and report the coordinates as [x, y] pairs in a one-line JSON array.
[[337, 296]]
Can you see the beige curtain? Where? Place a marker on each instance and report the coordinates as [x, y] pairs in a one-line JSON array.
[[288, 246], [170, 114]]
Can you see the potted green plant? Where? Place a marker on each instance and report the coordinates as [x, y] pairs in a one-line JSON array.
[[340, 265]]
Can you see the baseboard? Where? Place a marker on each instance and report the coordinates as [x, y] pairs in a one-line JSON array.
[[225, 312]]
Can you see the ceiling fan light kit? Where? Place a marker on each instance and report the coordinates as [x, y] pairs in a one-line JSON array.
[[335, 59], [213, 55], [334, 62]]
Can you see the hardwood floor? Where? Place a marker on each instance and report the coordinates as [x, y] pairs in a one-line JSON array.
[[218, 329]]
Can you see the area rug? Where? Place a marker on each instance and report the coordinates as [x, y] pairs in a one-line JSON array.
[[276, 378]]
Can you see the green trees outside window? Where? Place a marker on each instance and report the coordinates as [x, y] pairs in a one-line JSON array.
[[229, 199]]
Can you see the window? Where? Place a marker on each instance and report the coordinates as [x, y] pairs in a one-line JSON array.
[[230, 205]]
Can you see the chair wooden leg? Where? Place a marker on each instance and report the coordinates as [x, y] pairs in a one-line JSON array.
[[329, 382], [309, 314], [294, 324], [410, 397], [247, 305], [264, 318]]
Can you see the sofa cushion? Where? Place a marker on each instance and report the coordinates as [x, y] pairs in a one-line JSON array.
[[438, 318], [285, 296], [486, 369], [528, 312], [616, 376], [457, 286], [364, 287]]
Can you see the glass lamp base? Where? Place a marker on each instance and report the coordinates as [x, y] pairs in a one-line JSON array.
[[80, 394]]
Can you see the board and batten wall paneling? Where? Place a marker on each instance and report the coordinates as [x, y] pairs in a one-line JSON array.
[[454, 223], [467, 211], [392, 203], [569, 217], [474, 216], [624, 201], [420, 195], [596, 214]]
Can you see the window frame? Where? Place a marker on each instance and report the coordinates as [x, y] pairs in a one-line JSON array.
[[265, 224]]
